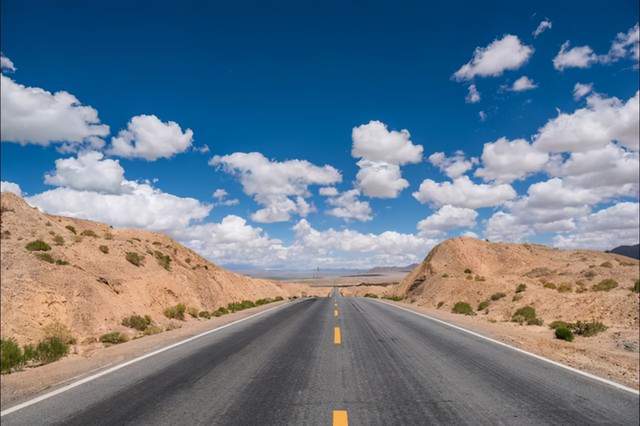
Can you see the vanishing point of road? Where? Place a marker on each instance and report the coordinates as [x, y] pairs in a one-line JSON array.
[[335, 360]]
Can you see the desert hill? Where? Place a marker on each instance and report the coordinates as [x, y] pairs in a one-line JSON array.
[[560, 285], [629, 251], [88, 279]]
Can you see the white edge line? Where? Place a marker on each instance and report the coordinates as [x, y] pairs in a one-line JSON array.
[[127, 363], [522, 351]]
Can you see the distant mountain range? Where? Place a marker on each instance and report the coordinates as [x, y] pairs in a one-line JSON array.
[[387, 269], [629, 251]]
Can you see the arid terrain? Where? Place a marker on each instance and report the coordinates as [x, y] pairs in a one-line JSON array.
[[560, 285], [88, 277]]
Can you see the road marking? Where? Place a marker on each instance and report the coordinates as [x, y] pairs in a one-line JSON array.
[[337, 338], [335, 312], [522, 351], [340, 418], [127, 363]]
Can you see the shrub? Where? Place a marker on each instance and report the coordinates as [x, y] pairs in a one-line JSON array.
[[393, 298], [10, 355], [164, 260], [563, 333], [373, 296], [61, 262], [483, 305], [526, 314], [134, 258], [564, 288], [45, 257], [38, 245], [278, 299], [440, 304], [29, 353], [462, 308], [51, 349], [59, 331], [516, 297], [193, 312], [480, 278], [605, 285], [521, 287], [152, 329], [549, 285], [204, 314], [636, 286], [176, 312], [220, 312], [108, 236], [606, 264], [89, 233], [468, 271], [445, 275], [72, 229], [497, 296], [245, 304], [587, 329], [58, 240], [113, 338], [104, 249], [137, 322], [558, 323], [469, 277]]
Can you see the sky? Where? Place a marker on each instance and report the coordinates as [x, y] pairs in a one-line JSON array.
[[327, 134]]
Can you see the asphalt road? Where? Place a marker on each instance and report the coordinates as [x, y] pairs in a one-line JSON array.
[[390, 367]]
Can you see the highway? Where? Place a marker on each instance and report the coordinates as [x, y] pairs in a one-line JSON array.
[[337, 360]]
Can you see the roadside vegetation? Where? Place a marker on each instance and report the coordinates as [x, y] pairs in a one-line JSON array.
[[580, 328], [462, 308], [113, 338], [134, 258], [38, 245], [526, 315]]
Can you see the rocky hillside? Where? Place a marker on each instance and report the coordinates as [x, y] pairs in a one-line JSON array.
[[89, 276], [560, 285]]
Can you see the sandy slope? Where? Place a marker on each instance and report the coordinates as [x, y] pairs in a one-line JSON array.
[[96, 290]]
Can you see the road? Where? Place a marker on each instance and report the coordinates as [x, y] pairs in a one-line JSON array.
[[337, 360]]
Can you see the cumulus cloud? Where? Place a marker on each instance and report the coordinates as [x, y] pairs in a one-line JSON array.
[[581, 90], [482, 115], [503, 226], [280, 187], [14, 188], [328, 191], [453, 166], [544, 25], [507, 53], [147, 137], [382, 152], [604, 229], [31, 115], [6, 63], [220, 195], [575, 57], [462, 192], [447, 218], [505, 161], [522, 84], [602, 120], [625, 45], [348, 206], [473, 96], [88, 172]]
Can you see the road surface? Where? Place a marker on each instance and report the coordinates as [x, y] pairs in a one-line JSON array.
[[331, 361]]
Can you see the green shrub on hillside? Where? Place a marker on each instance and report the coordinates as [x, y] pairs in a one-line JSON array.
[[497, 296], [11, 357], [563, 333], [605, 285], [72, 229], [58, 240], [558, 323], [104, 249], [38, 245], [89, 233], [51, 349], [636, 286], [483, 305], [193, 312], [45, 257], [549, 285], [137, 322], [176, 312], [587, 329], [164, 260], [371, 295], [113, 338], [468, 271], [134, 258], [204, 314], [521, 287], [526, 315], [462, 308], [393, 298]]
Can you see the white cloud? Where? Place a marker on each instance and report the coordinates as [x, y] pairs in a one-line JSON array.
[[603, 120], [625, 45], [503, 226], [347, 206], [88, 172], [462, 192], [576, 57], [604, 229], [380, 179], [482, 115], [147, 137], [522, 84], [544, 25], [220, 196], [505, 161], [328, 191], [273, 183], [374, 142], [6, 63], [473, 96], [14, 188], [453, 166], [581, 90], [33, 115], [507, 53], [447, 218]]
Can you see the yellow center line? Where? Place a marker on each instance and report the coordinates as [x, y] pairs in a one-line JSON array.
[[340, 418], [337, 338], [335, 312]]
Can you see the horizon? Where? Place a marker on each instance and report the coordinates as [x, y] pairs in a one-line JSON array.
[[275, 139]]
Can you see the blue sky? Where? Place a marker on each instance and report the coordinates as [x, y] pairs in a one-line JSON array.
[[290, 80]]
